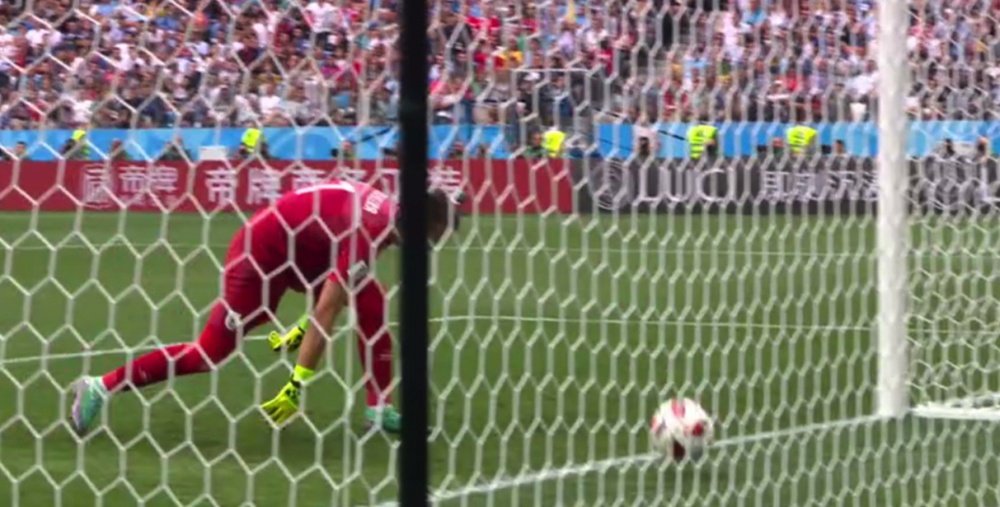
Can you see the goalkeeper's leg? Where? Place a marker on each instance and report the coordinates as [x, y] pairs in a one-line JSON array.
[[375, 350], [214, 344], [237, 314]]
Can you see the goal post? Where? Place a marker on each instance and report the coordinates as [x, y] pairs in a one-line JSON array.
[[414, 457], [893, 228]]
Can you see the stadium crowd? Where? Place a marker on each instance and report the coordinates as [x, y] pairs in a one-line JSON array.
[[144, 64]]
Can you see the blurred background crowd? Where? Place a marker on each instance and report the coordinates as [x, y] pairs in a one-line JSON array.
[[524, 63]]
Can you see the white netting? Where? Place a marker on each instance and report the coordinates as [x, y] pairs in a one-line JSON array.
[[954, 298], [580, 294]]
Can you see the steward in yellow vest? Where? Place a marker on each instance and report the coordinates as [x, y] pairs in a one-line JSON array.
[[800, 139], [76, 147], [701, 138], [552, 142], [253, 142]]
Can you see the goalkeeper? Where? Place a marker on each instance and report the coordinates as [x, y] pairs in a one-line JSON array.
[[319, 240]]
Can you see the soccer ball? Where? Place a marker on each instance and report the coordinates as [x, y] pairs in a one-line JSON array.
[[681, 429]]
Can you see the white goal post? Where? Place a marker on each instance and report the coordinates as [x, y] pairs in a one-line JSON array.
[[893, 224], [900, 367]]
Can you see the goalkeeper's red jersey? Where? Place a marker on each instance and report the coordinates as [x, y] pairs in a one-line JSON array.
[[329, 231]]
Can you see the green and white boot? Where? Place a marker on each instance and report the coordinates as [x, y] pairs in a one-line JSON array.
[[386, 418], [90, 396]]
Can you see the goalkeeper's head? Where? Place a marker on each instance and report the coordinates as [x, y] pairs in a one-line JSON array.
[[442, 214]]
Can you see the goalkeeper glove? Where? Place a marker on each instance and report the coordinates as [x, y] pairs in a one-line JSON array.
[[285, 405], [290, 340]]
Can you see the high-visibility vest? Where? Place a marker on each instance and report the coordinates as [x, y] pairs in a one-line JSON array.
[[800, 138], [79, 137], [251, 137], [552, 141], [698, 136]]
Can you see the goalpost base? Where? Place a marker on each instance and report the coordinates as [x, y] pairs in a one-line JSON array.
[[984, 407]]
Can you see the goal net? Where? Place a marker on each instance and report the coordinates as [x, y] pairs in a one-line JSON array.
[[816, 266], [955, 360]]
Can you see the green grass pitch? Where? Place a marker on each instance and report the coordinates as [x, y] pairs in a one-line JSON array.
[[554, 338]]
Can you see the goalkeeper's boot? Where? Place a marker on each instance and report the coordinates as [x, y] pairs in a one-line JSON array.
[[386, 418], [90, 396]]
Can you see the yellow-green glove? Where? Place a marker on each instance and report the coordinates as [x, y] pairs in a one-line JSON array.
[[285, 405], [290, 340]]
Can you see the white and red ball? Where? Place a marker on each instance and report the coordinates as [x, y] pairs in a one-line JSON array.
[[681, 429]]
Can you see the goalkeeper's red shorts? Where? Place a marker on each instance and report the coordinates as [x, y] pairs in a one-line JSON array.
[[250, 293]]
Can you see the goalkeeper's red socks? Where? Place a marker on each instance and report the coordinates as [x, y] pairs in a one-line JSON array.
[[153, 367], [374, 345], [376, 356]]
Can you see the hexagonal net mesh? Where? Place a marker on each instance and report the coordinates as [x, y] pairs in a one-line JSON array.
[[661, 199]]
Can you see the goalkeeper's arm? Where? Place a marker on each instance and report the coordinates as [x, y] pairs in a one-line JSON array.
[[332, 300]]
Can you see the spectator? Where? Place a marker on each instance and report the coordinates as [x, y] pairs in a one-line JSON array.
[[21, 151], [384, 105], [862, 86], [446, 95], [118, 152], [836, 104], [456, 151], [946, 149], [296, 108], [270, 103], [983, 149], [174, 151], [776, 148], [839, 148], [390, 153], [345, 152], [535, 147], [123, 65], [18, 152], [647, 139], [322, 16]]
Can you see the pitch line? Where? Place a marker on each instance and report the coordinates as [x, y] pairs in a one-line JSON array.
[[95, 353], [651, 249], [629, 461], [818, 329], [146, 348]]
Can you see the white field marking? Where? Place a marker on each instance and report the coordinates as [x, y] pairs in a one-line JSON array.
[[819, 328], [640, 248], [94, 353], [144, 348], [652, 249], [627, 461]]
